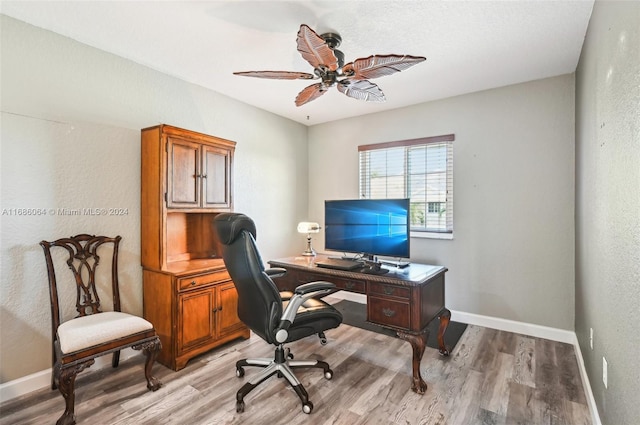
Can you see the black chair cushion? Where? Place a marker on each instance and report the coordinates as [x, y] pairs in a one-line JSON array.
[[314, 316]]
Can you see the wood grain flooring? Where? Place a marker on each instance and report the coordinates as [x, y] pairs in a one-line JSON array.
[[492, 377]]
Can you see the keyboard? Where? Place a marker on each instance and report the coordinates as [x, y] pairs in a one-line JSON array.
[[339, 264]]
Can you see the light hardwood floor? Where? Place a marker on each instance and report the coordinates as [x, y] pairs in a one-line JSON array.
[[491, 377]]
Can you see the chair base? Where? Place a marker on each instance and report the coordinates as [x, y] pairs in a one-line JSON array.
[[281, 365]]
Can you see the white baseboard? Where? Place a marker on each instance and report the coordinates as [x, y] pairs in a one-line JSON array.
[[26, 384], [595, 416], [39, 380], [523, 328]]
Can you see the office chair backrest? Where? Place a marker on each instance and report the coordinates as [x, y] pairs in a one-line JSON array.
[[259, 302]]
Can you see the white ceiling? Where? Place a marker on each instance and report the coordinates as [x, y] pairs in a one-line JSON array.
[[469, 45]]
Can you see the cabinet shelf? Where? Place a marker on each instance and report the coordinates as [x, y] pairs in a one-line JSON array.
[[198, 265]]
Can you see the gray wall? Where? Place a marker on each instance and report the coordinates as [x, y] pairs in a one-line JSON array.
[[608, 207], [70, 138], [512, 254]]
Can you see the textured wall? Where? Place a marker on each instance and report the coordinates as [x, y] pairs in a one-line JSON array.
[[512, 255], [608, 207], [70, 138]]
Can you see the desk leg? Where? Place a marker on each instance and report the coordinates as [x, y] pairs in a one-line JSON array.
[[418, 343], [444, 317]]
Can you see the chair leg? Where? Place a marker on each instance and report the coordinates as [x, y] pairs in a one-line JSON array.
[[307, 406], [55, 376], [150, 349], [261, 362], [328, 373], [65, 379], [266, 373], [115, 361]]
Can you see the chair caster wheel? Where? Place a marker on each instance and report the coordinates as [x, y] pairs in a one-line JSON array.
[[240, 407], [239, 372], [328, 374], [307, 407]]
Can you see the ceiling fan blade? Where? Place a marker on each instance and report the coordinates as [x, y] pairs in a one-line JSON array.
[[315, 50], [361, 90], [277, 75], [379, 65], [310, 93]]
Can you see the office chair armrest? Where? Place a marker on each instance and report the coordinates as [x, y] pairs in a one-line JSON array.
[[313, 286], [275, 272], [302, 293]]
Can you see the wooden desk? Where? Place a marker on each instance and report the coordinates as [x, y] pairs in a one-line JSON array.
[[404, 300]]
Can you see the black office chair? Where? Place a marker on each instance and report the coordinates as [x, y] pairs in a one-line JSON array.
[[277, 318]]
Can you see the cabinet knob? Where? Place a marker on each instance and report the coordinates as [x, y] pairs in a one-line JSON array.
[[387, 290], [193, 282], [214, 310], [204, 176]]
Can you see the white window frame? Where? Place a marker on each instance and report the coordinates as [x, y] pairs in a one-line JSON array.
[[444, 231]]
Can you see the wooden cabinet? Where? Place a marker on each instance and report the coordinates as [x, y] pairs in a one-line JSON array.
[[207, 314], [186, 181], [199, 175]]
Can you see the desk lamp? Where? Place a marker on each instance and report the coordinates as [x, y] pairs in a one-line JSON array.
[[308, 228]]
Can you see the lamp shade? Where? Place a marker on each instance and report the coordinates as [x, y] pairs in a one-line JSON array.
[[308, 227]]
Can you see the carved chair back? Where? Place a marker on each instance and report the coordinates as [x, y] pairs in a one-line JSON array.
[[82, 260]]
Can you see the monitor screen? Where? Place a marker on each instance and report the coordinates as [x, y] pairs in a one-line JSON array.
[[368, 226]]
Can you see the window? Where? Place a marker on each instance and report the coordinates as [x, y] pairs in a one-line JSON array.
[[419, 169], [435, 207]]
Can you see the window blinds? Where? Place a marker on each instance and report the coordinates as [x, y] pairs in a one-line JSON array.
[[419, 169]]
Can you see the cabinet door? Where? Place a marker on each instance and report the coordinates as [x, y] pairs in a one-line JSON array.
[[183, 174], [196, 318], [216, 177], [227, 319]]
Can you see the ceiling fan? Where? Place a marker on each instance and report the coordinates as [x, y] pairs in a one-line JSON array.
[[328, 65]]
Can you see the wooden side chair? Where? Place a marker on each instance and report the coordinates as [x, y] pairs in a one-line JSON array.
[[92, 333]]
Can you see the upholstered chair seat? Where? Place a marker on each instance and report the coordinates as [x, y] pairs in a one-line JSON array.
[[88, 331]]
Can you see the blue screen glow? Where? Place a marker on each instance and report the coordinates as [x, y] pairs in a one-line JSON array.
[[368, 226]]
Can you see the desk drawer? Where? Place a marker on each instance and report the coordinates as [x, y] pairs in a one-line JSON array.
[[388, 312], [389, 290], [347, 284], [190, 282]]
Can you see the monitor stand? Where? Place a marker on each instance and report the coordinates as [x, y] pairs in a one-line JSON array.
[[373, 270], [398, 264], [374, 267]]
